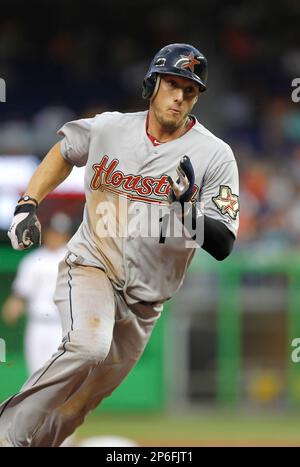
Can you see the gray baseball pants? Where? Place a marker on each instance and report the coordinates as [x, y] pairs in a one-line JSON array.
[[103, 340]]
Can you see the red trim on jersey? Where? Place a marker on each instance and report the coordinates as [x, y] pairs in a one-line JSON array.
[[155, 141]]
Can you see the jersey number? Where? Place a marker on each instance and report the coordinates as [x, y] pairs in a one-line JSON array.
[[164, 221]]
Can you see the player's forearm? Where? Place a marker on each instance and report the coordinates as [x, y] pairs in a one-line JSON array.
[[218, 239], [52, 171], [211, 234], [25, 229]]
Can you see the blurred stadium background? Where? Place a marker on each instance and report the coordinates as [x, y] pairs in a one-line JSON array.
[[218, 370]]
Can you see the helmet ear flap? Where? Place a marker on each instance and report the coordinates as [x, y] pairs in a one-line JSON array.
[[149, 85]]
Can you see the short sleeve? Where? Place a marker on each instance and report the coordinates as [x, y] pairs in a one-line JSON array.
[[220, 195], [75, 144]]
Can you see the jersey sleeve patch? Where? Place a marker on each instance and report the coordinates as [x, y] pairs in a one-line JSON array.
[[227, 202]]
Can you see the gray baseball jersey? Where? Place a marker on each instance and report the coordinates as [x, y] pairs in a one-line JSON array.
[[107, 311], [125, 179]]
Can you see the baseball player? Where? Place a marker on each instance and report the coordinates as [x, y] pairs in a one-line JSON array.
[[160, 164], [33, 289]]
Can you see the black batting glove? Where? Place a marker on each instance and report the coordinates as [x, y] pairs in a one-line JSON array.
[[182, 189], [25, 229]]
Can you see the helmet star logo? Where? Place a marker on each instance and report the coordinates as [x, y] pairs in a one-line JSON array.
[[227, 202], [190, 61]]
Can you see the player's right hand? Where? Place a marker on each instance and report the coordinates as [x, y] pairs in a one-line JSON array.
[[25, 229]]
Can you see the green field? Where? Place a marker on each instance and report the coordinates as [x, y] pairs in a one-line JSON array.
[[199, 429]]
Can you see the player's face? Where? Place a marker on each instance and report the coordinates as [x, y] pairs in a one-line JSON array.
[[174, 100]]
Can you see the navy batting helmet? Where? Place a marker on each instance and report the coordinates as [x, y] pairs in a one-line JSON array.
[[176, 59]]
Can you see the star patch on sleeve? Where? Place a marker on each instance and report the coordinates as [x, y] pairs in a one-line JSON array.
[[227, 202]]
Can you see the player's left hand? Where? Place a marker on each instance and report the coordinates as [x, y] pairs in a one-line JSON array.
[[182, 189]]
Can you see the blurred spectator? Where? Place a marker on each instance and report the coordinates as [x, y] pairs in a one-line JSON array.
[[32, 291]]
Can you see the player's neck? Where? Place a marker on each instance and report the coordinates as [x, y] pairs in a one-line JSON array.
[[164, 134]]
